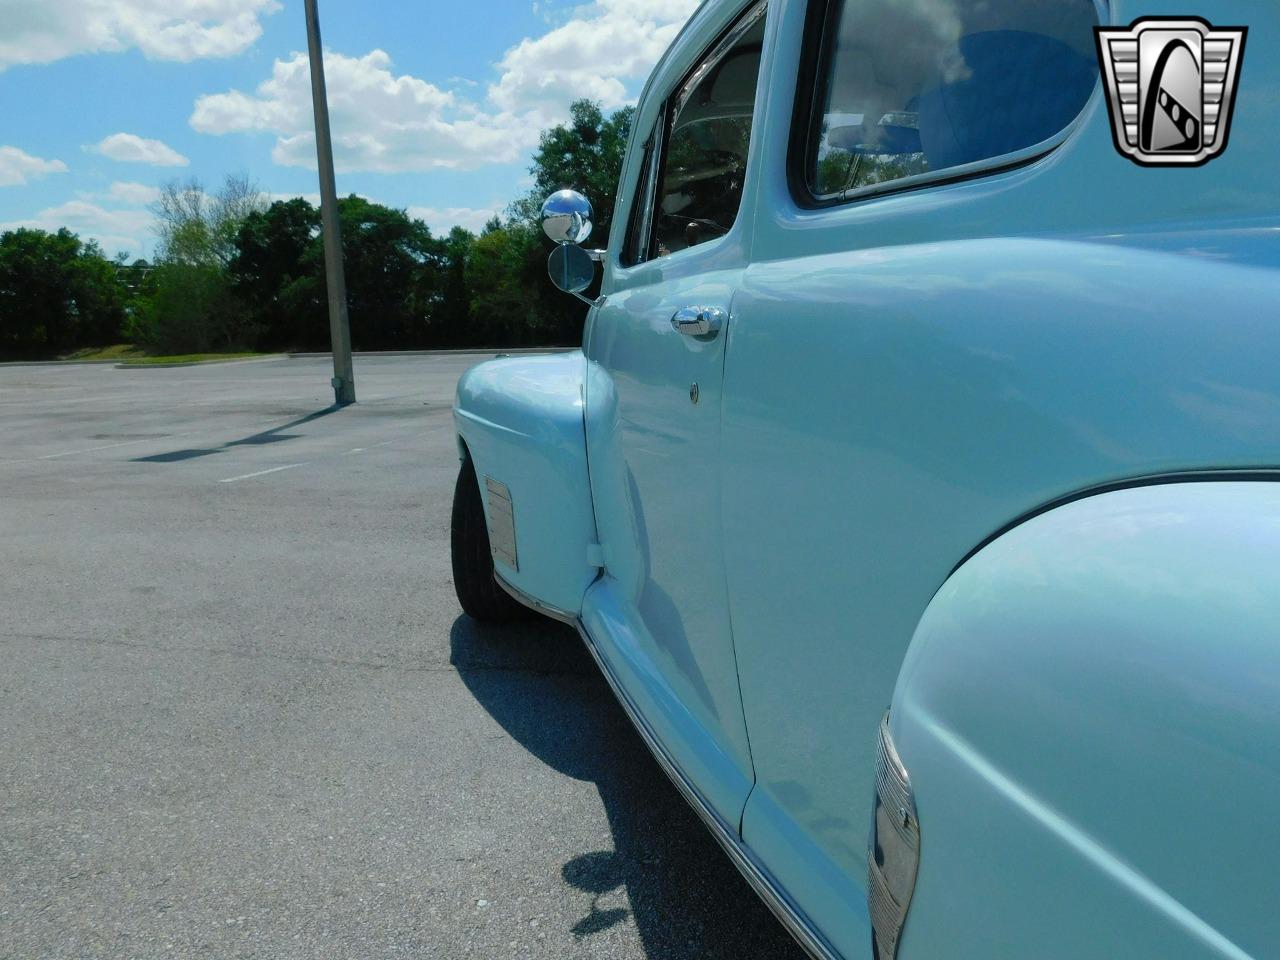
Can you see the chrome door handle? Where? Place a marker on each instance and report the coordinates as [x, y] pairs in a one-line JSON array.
[[699, 321]]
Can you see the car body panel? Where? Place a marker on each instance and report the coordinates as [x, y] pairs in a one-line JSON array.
[[908, 374], [1091, 709], [928, 420], [521, 421]]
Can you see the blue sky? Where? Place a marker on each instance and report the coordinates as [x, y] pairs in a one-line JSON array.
[[436, 106]]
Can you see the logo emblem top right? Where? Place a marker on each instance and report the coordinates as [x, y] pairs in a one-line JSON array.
[[1171, 87]]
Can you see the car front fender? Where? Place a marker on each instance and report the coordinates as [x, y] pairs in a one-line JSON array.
[[521, 421], [1090, 716]]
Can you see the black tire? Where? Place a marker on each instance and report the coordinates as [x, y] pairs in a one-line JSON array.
[[473, 579]]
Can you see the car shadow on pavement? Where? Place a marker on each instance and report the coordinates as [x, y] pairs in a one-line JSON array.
[[537, 680]]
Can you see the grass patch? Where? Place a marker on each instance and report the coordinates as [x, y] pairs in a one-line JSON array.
[[142, 361], [129, 354], [119, 351]]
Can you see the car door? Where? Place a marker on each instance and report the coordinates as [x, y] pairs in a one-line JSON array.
[[656, 350], [913, 289]]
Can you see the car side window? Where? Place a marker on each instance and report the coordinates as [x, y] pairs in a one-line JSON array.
[[902, 88], [706, 133]]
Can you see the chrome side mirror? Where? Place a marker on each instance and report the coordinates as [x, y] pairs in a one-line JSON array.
[[571, 268], [567, 218]]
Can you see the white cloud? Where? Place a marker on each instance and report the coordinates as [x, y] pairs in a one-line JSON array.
[[608, 42], [115, 230], [381, 121], [18, 168], [443, 219], [393, 123], [129, 148], [137, 194], [41, 31], [311, 198]]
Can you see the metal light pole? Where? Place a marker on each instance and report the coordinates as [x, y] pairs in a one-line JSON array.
[[344, 381]]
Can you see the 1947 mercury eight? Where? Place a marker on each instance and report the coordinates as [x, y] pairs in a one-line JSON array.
[[907, 388]]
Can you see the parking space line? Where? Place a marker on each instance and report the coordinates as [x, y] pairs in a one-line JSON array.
[[387, 443], [263, 473], [109, 446]]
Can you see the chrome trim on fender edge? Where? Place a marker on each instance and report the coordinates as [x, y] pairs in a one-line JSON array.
[[546, 609], [755, 873]]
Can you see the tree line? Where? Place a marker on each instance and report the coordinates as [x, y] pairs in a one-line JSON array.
[[234, 272]]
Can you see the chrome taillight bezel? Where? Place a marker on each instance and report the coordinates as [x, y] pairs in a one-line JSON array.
[[893, 859]]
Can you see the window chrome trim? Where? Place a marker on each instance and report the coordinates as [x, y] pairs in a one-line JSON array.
[[712, 59], [649, 199]]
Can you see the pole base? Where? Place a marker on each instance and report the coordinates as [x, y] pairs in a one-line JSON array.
[[344, 392]]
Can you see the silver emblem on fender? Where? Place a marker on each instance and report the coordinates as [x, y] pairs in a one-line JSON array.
[[1171, 87]]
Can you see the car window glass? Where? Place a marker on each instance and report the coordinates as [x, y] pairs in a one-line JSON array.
[[907, 87], [708, 132]]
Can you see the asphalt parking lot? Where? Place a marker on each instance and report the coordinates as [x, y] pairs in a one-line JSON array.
[[244, 716]]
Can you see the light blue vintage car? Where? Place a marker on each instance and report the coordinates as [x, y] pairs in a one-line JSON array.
[[907, 387]]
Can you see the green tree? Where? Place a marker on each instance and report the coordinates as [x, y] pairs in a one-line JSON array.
[[451, 315], [405, 288], [393, 267], [507, 306], [188, 309], [196, 227], [191, 308], [57, 293], [277, 276]]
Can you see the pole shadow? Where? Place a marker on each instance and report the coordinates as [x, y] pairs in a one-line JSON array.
[[274, 435], [686, 899]]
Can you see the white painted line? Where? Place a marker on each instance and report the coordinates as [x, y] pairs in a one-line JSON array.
[[263, 473], [109, 446], [387, 443], [356, 450], [31, 401]]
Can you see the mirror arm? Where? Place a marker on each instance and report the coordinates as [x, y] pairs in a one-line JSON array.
[[597, 255]]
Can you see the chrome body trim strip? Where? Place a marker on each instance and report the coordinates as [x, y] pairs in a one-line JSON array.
[[759, 878], [546, 609], [761, 881]]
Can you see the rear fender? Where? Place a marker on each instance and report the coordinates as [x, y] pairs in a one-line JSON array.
[[1090, 716], [520, 419]]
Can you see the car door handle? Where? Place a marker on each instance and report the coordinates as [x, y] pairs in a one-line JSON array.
[[699, 321]]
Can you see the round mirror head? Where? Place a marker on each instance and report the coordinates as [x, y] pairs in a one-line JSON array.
[[567, 216], [571, 268]]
